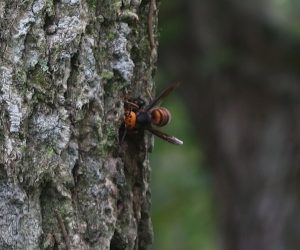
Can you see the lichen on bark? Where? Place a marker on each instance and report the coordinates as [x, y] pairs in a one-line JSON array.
[[65, 182]]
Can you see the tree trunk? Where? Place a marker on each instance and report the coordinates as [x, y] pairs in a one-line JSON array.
[[65, 183]]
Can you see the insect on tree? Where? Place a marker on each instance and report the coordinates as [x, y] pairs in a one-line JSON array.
[[139, 116]]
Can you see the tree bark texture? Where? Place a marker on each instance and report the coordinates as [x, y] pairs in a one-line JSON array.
[[243, 93], [65, 67]]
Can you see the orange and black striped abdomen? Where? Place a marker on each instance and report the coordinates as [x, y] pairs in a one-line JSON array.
[[160, 116]]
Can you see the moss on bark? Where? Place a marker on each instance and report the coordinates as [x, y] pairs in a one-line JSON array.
[[65, 67]]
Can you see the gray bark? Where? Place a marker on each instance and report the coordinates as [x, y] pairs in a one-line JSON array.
[[64, 181]]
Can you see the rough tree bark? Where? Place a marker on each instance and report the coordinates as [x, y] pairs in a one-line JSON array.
[[65, 67]]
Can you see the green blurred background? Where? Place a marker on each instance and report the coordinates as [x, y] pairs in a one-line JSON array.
[[184, 208]]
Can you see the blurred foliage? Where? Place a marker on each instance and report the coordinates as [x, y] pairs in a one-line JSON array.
[[171, 23], [183, 208], [184, 213], [284, 14]]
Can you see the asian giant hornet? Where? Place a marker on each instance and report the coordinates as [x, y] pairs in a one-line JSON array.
[[139, 116]]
